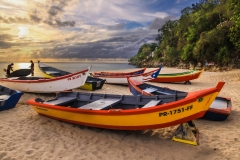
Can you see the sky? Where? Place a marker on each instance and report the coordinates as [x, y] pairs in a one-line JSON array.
[[81, 29]]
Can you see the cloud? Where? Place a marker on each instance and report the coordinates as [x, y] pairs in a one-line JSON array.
[[14, 20], [52, 15], [117, 47], [119, 26], [35, 18], [83, 29], [5, 45], [6, 37], [159, 22]]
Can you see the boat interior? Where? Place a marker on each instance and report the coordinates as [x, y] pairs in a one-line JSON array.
[[155, 90], [95, 101], [29, 78], [54, 71], [94, 79], [6, 91], [218, 103]]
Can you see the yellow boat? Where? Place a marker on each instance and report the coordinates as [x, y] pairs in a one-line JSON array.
[[126, 112], [92, 83]]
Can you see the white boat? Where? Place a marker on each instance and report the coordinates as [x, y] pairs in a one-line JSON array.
[[122, 79], [46, 85]]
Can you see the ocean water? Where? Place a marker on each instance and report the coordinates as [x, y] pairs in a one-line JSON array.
[[68, 66]]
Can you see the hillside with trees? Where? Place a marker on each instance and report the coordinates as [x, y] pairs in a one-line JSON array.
[[208, 31]]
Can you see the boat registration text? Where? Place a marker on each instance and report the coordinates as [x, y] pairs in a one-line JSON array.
[[176, 111]]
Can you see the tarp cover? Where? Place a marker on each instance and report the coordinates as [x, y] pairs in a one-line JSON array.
[[20, 72]]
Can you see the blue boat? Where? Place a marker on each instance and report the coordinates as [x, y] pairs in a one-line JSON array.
[[8, 98]]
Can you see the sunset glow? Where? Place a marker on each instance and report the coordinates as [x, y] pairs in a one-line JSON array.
[[80, 30], [23, 31]]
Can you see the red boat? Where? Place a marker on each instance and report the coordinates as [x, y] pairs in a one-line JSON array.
[[178, 77]]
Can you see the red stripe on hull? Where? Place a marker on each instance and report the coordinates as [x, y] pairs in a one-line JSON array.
[[226, 111], [192, 117], [176, 79]]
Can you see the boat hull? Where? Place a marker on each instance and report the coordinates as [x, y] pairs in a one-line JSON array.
[[57, 84], [136, 72], [171, 78], [93, 85], [219, 110], [124, 127], [164, 115], [9, 98], [123, 79], [90, 84]]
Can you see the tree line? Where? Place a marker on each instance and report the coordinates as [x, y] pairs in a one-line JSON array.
[[208, 31]]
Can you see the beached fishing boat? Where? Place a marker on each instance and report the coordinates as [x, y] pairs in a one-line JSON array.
[[122, 79], [116, 73], [19, 73], [46, 85], [126, 112], [185, 77], [93, 83], [8, 98], [219, 110], [51, 72]]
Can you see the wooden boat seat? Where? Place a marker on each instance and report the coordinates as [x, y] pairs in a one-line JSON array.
[[52, 72], [152, 103], [164, 93], [101, 104], [150, 90], [60, 101]]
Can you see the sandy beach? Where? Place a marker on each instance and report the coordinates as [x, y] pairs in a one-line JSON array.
[[25, 135]]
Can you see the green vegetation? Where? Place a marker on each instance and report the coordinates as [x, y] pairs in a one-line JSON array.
[[208, 31]]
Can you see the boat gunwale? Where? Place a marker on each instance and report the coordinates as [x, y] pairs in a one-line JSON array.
[[191, 98], [112, 72], [43, 80], [195, 73], [181, 78], [125, 76]]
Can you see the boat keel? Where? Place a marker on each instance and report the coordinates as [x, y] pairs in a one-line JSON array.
[[187, 133]]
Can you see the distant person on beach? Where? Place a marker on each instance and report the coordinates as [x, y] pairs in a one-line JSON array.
[[9, 69], [32, 68]]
